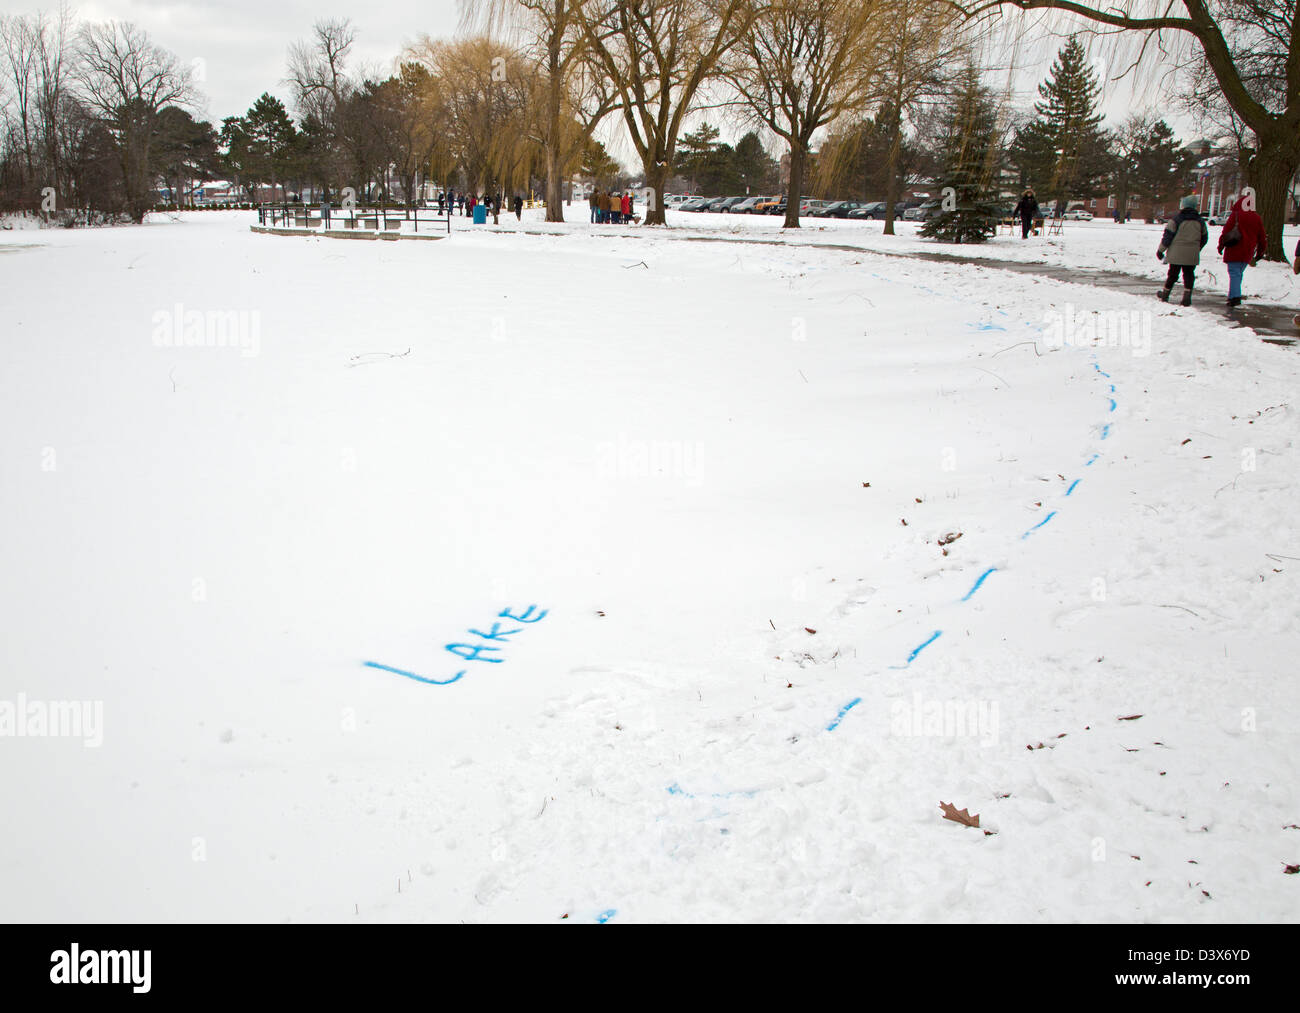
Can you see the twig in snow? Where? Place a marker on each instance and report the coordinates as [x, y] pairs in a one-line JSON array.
[[805, 379], [1017, 345], [640, 264], [1277, 559], [992, 374], [172, 378], [366, 362], [1184, 608]]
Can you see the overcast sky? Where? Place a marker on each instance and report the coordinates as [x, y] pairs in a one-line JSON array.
[[238, 48], [242, 43]]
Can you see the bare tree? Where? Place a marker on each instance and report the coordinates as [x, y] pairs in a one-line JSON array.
[[657, 55], [1252, 52], [802, 64], [318, 71], [125, 81]]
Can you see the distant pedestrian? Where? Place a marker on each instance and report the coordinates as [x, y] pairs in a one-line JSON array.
[[442, 199], [1241, 242], [1026, 211], [593, 198], [1295, 269], [625, 208], [1180, 248], [461, 198], [519, 208], [325, 212]]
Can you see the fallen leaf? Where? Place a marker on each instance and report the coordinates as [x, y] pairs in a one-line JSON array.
[[809, 629], [1290, 870], [1131, 717], [962, 816]]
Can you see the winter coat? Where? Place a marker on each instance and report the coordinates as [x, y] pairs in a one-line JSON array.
[[1183, 239], [627, 204], [593, 198], [1253, 240], [1027, 208]]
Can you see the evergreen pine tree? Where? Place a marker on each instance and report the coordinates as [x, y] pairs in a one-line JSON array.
[[971, 157], [1063, 152]]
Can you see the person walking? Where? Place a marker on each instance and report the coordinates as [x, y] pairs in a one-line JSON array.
[[593, 199], [1295, 269], [461, 198], [1241, 242], [625, 207], [519, 208], [1180, 248], [442, 200], [1026, 211]]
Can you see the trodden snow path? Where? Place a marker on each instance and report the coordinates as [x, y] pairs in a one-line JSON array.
[[667, 463]]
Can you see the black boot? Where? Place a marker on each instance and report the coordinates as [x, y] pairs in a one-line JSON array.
[[1163, 294], [1187, 297], [1235, 302]]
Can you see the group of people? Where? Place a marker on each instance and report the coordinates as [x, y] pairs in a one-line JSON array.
[[611, 208], [1242, 243], [449, 201]]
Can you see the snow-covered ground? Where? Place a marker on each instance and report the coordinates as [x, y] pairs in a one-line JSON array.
[[1097, 245], [691, 497]]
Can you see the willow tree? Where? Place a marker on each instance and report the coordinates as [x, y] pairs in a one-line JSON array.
[[801, 64], [487, 104], [575, 95], [657, 55], [1248, 47]]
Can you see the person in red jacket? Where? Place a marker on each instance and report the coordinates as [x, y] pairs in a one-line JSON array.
[[1241, 242]]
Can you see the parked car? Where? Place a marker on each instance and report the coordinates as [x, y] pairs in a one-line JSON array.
[[746, 207], [809, 206], [728, 203], [922, 212], [695, 204], [713, 203], [1077, 215], [767, 205], [1218, 218], [875, 211], [834, 209]]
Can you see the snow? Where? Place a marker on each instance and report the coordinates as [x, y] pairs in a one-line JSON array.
[[683, 457], [1098, 245]]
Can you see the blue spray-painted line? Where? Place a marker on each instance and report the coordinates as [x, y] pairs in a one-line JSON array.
[[1105, 431], [1038, 525], [1112, 403], [919, 648], [1090, 460], [1072, 485], [843, 710], [412, 675], [1101, 371], [982, 578], [677, 789], [605, 916]]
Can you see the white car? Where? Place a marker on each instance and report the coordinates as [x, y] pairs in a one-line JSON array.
[[1218, 219], [1078, 215]]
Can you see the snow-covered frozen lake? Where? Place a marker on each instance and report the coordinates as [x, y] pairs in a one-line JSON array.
[[683, 515]]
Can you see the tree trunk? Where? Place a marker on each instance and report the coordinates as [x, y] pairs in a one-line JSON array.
[[656, 175], [554, 187], [891, 168], [794, 194], [1270, 171]]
